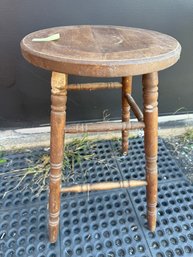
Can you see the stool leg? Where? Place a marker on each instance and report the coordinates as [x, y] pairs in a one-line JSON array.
[[150, 98], [126, 89], [58, 121]]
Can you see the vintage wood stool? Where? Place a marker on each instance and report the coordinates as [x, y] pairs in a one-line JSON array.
[[102, 51]]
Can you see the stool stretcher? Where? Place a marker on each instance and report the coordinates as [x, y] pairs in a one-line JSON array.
[[103, 186], [94, 86], [103, 126]]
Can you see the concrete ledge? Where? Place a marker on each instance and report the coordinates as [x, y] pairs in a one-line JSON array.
[[15, 139]]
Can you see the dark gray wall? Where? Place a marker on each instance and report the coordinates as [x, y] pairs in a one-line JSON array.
[[25, 90]]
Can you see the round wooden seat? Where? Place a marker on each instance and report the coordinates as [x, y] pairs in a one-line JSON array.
[[101, 51]]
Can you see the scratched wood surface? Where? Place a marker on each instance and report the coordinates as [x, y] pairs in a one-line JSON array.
[[101, 51]]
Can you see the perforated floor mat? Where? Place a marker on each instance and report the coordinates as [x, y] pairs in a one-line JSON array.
[[174, 231], [102, 224], [132, 166], [98, 224], [24, 233]]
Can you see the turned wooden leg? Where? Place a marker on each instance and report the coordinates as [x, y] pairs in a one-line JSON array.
[[58, 121], [150, 97], [126, 89]]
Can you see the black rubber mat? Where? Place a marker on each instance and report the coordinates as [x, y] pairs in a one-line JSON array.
[[174, 231], [24, 233], [102, 224], [21, 159], [132, 166], [99, 168], [97, 224]]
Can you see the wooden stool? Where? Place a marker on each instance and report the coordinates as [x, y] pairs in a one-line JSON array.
[[102, 51]]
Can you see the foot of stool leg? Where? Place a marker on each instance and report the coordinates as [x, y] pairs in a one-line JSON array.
[[150, 97], [58, 121], [126, 89]]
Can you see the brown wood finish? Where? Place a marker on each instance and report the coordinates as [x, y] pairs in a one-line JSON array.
[[126, 89], [150, 97], [103, 126], [103, 186], [94, 86], [134, 107], [101, 51], [58, 120]]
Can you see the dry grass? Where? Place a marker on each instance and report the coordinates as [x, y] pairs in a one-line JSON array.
[[182, 148], [39, 172], [188, 136], [2, 159]]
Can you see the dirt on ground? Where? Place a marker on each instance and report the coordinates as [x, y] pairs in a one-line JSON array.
[[181, 148]]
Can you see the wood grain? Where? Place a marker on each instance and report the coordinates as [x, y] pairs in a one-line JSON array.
[[58, 121], [126, 89], [103, 126], [94, 86], [101, 51], [134, 107], [103, 186], [150, 97]]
